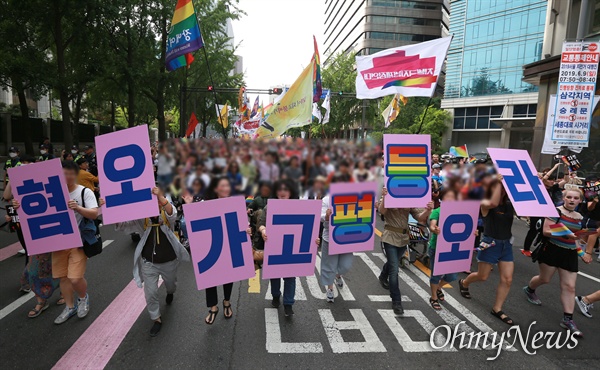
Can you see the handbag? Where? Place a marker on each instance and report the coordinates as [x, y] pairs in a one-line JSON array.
[[90, 234], [540, 241], [258, 256]]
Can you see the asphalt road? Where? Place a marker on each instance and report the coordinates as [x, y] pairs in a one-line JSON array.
[[358, 331]]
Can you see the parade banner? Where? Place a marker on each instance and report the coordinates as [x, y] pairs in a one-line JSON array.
[[525, 189], [592, 190], [454, 248], [575, 93], [407, 170], [292, 229], [184, 36], [352, 222], [411, 70], [221, 248], [126, 174], [48, 224]]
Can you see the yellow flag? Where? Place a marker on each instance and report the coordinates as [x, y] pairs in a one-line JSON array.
[[391, 112], [293, 110], [224, 118]]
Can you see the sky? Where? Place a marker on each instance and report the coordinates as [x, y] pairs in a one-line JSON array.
[[275, 40]]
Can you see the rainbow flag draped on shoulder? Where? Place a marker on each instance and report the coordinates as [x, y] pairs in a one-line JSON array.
[[184, 36]]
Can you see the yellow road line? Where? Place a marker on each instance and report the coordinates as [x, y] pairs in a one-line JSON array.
[[254, 283], [377, 232]]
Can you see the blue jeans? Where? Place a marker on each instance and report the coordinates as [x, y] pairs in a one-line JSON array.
[[289, 289], [435, 279], [390, 269]]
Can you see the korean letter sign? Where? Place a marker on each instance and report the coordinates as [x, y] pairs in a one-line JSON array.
[[292, 229], [407, 170], [221, 248], [352, 221], [126, 175], [48, 224], [454, 248], [525, 189]]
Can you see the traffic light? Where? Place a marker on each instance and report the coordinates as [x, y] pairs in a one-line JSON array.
[[340, 93], [277, 90], [210, 88]]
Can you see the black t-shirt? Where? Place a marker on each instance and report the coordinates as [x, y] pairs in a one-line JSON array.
[[498, 222], [158, 249], [556, 195]]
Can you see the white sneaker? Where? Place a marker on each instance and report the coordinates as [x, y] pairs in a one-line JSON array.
[[329, 295], [66, 315], [21, 251], [584, 307], [83, 306], [339, 281]]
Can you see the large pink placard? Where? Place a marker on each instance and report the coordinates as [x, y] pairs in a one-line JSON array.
[[526, 191], [126, 175], [454, 248], [407, 170], [221, 248], [352, 221], [292, 229], [48, 224]]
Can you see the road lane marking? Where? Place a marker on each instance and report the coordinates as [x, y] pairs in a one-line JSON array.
[[254, 283], [344, 292], [299, 296], [588, 276], [386, 298], [408, 345], [16, 304], [274, 343], [377, 232], [333, 330], [96, 346], [106, 243], [9, 251]]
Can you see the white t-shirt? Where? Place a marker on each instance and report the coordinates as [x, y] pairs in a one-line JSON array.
[[90, 200]]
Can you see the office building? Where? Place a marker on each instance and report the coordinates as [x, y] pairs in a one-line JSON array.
[[492, 106]]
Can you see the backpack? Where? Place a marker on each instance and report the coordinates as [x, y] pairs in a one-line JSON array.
[[90, 233], [540, 240]]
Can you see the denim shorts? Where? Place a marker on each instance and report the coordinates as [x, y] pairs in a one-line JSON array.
[[435, 279], [501, 252]]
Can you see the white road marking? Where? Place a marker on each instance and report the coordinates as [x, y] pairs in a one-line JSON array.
[[344, 292], [300, 294], [408, 345], [589, 276], [274, 343], [106, 243], [16, 304], [333, 330], [386, 298]]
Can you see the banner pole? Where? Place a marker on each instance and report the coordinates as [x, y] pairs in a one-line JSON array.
[[424, 115]]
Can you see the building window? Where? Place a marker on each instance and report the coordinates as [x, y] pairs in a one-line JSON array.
[[473, 118], [524, 110], [400, 36], [382, 19], [406, 4]]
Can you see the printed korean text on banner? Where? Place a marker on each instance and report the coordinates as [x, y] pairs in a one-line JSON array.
[[184, 36], [575, 93], [352, 222], [221, 248], [126, 174], [407, 170], [592, 190], [525, 189], [48, 224], [454, 248], [292, 229], [572, 162], [411, 70]]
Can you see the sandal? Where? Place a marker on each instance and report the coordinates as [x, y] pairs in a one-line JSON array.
[[440, 295], [36, 312], [212, 315], [227, 311], [506, 319], [61, 301], [435, 303], [464, 291]]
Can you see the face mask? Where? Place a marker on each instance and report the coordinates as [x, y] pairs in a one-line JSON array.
[[43, 152], [12, 155], [73, 151]]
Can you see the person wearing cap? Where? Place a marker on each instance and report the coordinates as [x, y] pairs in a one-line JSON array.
[[75, 152], [49, 146], [11, 162], [84, 177], [90, 156], [317, 190], [45, 153], [435, 173]]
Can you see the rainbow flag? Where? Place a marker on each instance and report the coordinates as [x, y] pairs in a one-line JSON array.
[[184, 36], [249, 199], [459, 151], [317, 85], [472, 159], [559, 229]]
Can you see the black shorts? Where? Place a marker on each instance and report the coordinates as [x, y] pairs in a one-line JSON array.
[[555, 256]]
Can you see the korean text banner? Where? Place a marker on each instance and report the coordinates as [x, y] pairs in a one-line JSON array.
[[184, 36], [221, 248], [454, 248], [126, 174], [411, 70], [48, 224], [293, 110], [407, 170], [352, 221], [292, 229], [525, 189]]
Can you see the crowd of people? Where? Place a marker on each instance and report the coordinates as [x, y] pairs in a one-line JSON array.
[[190, 171]]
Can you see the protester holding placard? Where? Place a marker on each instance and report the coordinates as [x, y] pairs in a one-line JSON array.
[[495, 247], [157, 254]]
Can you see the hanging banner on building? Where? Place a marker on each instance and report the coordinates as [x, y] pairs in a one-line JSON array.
[[126, 174], [407, 170], [221, 248], [528, 195], [292, 231], [575, 93], [411, 70], [48, 224], [352, 221]]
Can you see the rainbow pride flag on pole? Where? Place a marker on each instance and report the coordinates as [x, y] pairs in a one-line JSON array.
[[184, 36], [317, 84], [459, 151]]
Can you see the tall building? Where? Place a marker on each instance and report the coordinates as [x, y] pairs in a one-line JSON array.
[[491, 104], [368, 26]]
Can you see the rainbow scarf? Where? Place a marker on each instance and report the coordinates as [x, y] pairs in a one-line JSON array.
[[184, 36]]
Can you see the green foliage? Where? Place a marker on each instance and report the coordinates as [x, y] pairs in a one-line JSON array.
[[482, 84]]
